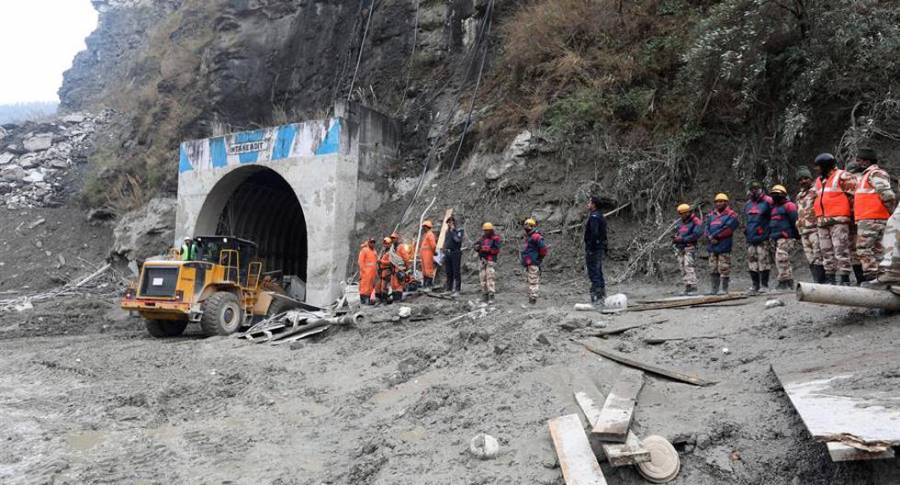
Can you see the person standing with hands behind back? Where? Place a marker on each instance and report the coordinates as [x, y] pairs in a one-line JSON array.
[[594, 248], [453, 256]]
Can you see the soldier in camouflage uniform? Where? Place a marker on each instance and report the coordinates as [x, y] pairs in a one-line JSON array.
[[856, 170], [834, 213], [873, 203], [889, 267], [806, 225]]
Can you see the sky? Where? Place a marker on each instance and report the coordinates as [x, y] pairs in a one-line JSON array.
[[39, 39]]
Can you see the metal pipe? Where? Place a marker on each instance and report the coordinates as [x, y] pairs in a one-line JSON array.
[[847, 296]]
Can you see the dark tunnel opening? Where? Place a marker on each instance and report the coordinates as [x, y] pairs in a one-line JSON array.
[[265, 210]]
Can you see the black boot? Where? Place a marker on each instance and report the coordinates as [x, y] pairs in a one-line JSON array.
[[689, 290], [858, 274], [789, 285], [714, 280], [725, 280], [491, 298], [820, 274], [754, 277], [363, 300], [844, 280], [830, 279], [813, 273], [764, 281]]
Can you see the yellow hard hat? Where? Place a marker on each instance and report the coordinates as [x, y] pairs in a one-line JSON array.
[[683, 208], [778, 189], [487, 226], [427, 224], [530, 222], [721, 197], [386, 240]]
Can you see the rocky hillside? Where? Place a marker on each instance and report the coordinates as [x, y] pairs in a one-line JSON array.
[[654, 100]]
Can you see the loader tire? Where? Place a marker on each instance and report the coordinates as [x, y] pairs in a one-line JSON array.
[[222, 314], [165, 328]]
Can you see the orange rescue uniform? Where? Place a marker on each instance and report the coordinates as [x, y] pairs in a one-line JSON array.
[[367, 269], [426, 251]]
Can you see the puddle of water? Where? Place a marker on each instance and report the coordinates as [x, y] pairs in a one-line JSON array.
[[84, 440]]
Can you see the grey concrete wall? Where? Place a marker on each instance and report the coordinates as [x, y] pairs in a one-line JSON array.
[[333, 166]]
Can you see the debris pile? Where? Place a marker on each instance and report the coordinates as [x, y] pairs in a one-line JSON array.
[[35, 157], [102, 282]]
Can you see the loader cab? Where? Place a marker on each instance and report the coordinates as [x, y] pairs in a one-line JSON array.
[[233, 253]]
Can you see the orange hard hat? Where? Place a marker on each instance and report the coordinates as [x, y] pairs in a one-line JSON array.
[[427, 224], [394, 235]]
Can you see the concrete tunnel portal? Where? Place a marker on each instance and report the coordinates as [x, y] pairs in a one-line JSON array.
[[302, 192], [256, 203]]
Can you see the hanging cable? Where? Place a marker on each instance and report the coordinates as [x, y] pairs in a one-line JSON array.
[[445, 129], [362, 46], [468, 124]]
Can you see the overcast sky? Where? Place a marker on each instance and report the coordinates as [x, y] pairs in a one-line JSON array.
[[38, 40]]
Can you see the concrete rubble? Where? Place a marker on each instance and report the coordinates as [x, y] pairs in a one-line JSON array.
[[36, 157]]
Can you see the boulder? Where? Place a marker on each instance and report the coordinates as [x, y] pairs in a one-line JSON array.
[[34, 176], [13, 173], [6, 157], [28, 161], [39, 142], [145, 232], [74, 118], [57, 163]]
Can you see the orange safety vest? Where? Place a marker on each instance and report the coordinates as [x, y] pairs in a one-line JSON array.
[[867, 204], [831, 201]]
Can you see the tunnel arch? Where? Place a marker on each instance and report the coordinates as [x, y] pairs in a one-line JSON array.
[[256, 203]]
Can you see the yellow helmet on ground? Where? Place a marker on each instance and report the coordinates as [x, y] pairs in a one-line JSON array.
[[684, 208], [530, 222], [778, 189], [487, 226], [721, 197]]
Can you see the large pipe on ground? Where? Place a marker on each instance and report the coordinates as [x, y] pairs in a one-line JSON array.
[[847, 296]]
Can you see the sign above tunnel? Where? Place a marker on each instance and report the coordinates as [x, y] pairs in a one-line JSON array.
[[307, 139]]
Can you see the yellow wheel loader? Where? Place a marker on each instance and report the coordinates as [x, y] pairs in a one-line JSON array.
[[212, 289]]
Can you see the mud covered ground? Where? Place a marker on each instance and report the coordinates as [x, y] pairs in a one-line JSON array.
[[397, 402]]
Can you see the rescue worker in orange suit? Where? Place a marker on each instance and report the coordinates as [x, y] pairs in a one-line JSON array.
[[834, 214], [368, 271], [873, 203], [405, 252], [426, 253], [387, 280]]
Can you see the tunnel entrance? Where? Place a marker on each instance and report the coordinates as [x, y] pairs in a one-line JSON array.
[[262, 208]]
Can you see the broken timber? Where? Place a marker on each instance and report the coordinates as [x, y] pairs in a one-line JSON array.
[[624, 328], [618, 410], [576, 458], [629, 453], [839, 452], [702, 300], [671, 374], [844, 399]]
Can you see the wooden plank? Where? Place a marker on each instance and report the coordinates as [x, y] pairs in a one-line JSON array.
[[698, 301], [653, 369], [618, 410], [844, 396], [624, 328], [841, 452], [576, 458], [629, 453], [443, 233]]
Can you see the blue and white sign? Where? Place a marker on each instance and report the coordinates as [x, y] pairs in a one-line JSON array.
[[307, 139]]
